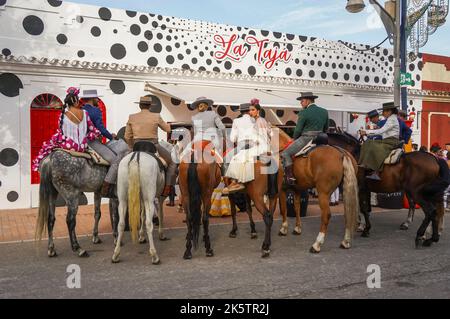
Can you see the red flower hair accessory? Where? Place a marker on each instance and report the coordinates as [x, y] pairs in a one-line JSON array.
[[73, 90], [254, 102]]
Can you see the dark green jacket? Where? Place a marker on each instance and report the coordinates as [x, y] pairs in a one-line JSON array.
[[314, 118]]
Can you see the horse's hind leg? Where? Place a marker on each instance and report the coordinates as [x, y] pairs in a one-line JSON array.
[[72, 223], [233, 232], [429, 211], [188, 252], [97, 216], [162, 237], [114, 216], [120, 228], [206, 209], [298, 221], [149, 214], [50, 225], [324, 203], [283, 211], [405, 225], [142, 239], [253, 234]]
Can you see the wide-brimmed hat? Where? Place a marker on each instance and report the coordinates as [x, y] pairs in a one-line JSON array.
[[146, 100], [389, 106], [307, 95], [90, 94], [372, 113], [200, 100], [245, 107]]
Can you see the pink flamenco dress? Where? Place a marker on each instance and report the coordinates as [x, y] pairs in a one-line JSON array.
[[70, 136]]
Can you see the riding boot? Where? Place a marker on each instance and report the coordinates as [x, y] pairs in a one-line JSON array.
[[374, 176], [171, 202], [289, 178]]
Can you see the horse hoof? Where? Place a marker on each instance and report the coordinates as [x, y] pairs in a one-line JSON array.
[[156, 261], [233, 235], [419, 242], [365, 234], [404, 226], [296, 233], [52, 253], [254, 236], [187, 256], [142, 241], [345, 245], [312, 250], [265, 253], [427, 243], [281, 234], [97, 241], [83, 254], [210, 253], [115, 260], [163, 238]]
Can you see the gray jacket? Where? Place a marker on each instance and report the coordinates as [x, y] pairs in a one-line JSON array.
[[206, 125]]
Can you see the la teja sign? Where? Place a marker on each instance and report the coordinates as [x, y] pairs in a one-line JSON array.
[[236, 50]]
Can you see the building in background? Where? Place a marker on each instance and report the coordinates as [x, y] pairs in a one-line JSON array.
[[47, 46]]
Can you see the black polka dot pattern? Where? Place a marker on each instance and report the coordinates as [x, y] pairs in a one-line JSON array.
[[105, 14], [9, 157], [118, 51], [33, 25], [117, 86], [61, 38], [10, 84], [54, 3], [12, 196]]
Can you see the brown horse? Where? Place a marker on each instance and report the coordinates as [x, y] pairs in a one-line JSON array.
[[421, 176], [198, 178], [324, 168]]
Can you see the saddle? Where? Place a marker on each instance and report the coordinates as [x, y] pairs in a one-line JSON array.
[[90, 154], [394, 157], [320, 140], [150, 148]]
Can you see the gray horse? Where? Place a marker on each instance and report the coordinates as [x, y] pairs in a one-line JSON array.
[[69, 176]]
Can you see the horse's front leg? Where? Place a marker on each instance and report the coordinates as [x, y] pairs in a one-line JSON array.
[[254, 234], [233, 232], [159, 208], [114, 217], [405, 225], [324, 203], [50, 225], [97, 216], [298, 221], [206, 209], [283, 212], [71, 225], [258, 199]]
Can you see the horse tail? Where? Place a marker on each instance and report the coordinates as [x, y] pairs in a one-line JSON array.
[[46, 189], [195, 201], [434, 191], [134, 198], [351, 201]]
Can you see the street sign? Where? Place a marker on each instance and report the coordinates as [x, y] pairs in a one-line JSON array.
[[406, 79]]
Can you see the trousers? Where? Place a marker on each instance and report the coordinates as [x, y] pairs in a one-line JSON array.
[[297, 146]]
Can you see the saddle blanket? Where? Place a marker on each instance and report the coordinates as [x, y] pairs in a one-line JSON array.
[[89, 155]]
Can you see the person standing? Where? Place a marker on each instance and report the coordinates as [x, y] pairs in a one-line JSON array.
[[312, 122], [143, 126]]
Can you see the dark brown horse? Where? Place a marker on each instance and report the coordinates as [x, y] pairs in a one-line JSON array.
[[421, 176], [324, 168], [198, 178]]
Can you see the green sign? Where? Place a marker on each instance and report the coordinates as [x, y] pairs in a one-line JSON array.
[[406, 79]]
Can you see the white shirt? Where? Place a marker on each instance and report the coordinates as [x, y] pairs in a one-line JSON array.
[[390, 129], [243, 129]]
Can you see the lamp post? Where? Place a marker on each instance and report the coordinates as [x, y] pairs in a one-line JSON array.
[[394, 29]]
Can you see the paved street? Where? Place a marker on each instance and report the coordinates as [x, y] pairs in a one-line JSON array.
[[237, 271]]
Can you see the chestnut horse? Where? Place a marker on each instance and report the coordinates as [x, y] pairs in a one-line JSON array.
[[324, 168], [421, 176], [198, 177]]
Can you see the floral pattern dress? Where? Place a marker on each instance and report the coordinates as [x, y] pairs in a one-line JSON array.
[[71, 136]]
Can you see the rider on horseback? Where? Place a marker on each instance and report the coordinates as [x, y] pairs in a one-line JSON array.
[[75, 130], [374, 152], [249, 146], [312, 121], [114, 151], [143, 126]]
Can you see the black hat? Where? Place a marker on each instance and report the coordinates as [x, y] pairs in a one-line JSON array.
[[372, 113], [245, 107], [389, 106], [307, 95]]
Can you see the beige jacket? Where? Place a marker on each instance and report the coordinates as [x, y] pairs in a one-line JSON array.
[[144, 125]]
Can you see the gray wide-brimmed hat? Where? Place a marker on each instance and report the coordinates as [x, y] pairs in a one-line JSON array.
[[90, 94], [307, 95], [146, 100], [245, 107], [389, 106], [200, 100]]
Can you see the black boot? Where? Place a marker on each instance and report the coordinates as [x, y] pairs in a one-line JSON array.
[[289, 178]]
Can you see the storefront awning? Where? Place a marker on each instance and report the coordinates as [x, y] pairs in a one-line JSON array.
[[270, 99]]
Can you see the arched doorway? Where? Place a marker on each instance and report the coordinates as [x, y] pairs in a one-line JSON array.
[[45, 110]]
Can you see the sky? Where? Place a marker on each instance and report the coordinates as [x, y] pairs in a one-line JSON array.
[[325, 19]]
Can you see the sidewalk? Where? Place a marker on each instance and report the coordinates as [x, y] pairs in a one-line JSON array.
[[19, 225]]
